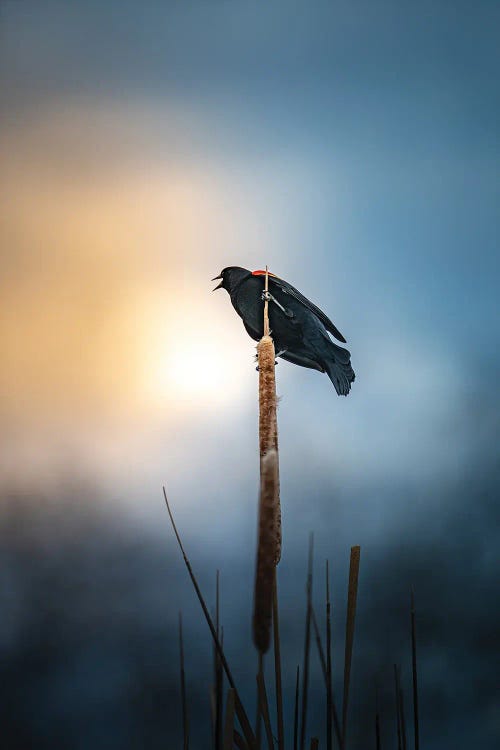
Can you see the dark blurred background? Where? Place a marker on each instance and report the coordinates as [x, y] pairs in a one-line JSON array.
[[353, 147]]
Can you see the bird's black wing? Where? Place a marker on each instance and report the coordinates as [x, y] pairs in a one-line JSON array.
[[301, 359], [289, 289], [252, 332]]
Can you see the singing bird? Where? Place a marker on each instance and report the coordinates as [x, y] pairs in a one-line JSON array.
[[300, 330]]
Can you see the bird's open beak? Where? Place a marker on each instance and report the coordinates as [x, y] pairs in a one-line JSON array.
[[219, 286]]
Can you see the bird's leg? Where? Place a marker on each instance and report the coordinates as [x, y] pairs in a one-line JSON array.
[[269, 297]]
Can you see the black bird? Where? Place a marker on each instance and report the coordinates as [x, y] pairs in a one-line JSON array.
[[299, 328]]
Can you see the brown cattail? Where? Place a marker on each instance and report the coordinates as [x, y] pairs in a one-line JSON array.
[[268, 426], [269, 525], [352, 594], [267, 395], [266, 553]]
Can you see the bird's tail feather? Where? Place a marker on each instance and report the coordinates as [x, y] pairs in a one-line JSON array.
[[339, 370]]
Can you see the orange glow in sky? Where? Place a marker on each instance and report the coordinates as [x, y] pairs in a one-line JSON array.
[[106, 292]]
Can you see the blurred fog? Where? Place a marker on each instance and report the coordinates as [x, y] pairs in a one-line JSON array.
[[353, 149]]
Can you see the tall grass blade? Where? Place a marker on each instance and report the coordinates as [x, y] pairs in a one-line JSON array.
[[277, 666], [414, 670], [258, 712], [264, 706], [229, 721], [321, 654], [398, 712], [239, 741], [307, 643], [296, 712], [352, 594], [218, 671], [402, 712], [377, 721], [240, 711], [317, 638], [329, 699], [185, 719]]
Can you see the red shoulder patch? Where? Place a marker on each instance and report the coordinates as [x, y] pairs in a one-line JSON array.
[[260, 272]]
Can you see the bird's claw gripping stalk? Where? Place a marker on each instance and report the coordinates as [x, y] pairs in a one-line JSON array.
[[268, 297]]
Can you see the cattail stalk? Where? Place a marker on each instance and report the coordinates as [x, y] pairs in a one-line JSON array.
[[229, 721], [352, 594], [268, 426], [269, 524], [265, 567]]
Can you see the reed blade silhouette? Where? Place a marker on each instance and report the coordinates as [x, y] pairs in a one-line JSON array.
[[322, 659], [352, 594], [240, 711], [264, 706], [185, 719], [414, 673], [296, 712], [239, 741], [277, 666], [401, 711], [329, 698], [377, 720], [307, 644], [398, 712], [229, 721], [218, 672]]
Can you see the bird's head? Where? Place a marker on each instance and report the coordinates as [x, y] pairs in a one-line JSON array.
[[231, 277]]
